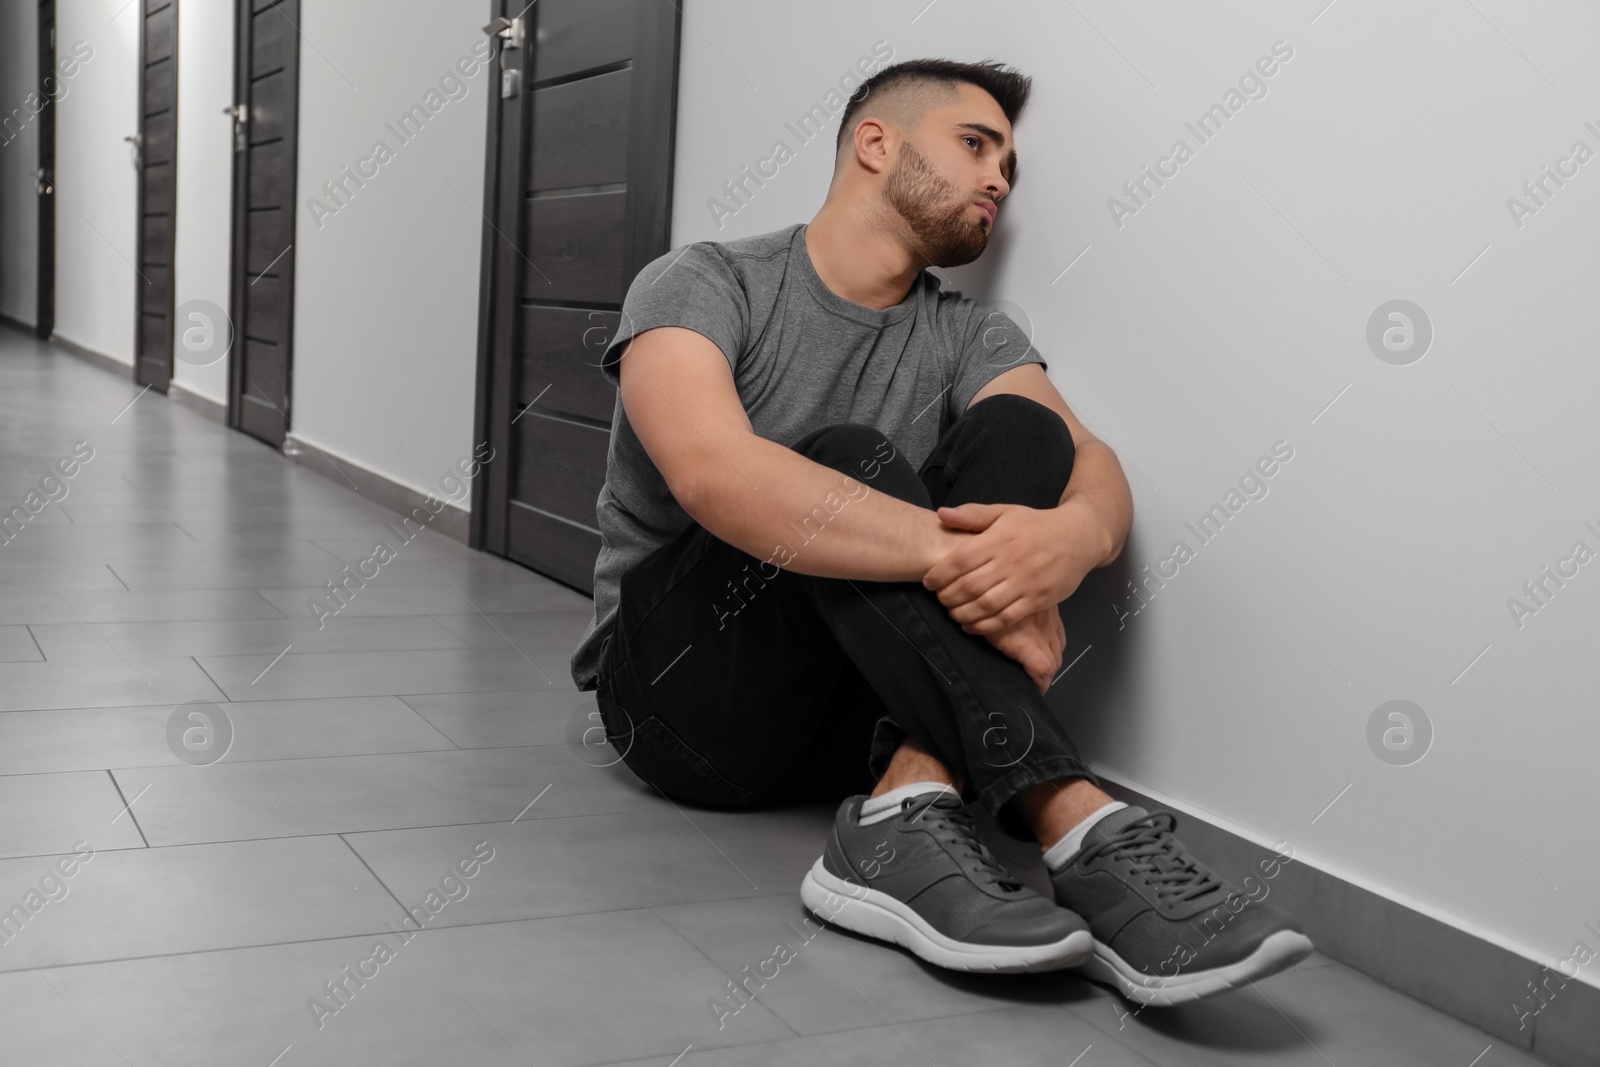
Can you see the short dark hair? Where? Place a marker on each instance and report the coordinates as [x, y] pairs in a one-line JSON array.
[[1009, 87]]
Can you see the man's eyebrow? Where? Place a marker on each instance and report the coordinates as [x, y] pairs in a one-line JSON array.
[[999, 139]]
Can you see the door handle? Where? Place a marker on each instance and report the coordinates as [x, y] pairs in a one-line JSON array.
[[241, 115], [512, 32], [509, 30]]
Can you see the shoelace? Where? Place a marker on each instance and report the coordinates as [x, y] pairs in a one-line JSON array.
[[955, 826], [1149, 846]]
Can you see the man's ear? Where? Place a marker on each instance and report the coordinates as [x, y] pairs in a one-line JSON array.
[[871, 142]]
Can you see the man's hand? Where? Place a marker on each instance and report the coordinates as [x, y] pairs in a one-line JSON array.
[[1036, 642], [1019, 561]]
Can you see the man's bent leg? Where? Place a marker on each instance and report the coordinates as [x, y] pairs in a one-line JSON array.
[[720, 686], [733, 692], [917, 873], [988, 457], [962, 699], [1111, 868]]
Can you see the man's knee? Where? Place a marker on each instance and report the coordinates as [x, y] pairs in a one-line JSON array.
[[845, 436], [864, 453], [1027, 425]]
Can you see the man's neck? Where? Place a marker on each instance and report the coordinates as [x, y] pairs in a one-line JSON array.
[[861, 259]]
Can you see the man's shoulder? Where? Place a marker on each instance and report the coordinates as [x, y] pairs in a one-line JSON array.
[[953, 309], [753, 264], [942, 289], [756, 247]]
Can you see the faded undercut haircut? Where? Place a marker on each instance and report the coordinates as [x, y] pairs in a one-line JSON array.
[[902, 92]]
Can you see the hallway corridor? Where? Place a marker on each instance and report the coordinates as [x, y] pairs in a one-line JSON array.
[[427, 730]]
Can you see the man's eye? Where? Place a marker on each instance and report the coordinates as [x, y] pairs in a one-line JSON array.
[[975, 141]]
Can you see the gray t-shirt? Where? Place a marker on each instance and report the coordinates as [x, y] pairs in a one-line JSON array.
[[802, 357]]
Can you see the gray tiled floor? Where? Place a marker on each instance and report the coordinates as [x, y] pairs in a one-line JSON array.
[[432, 714]]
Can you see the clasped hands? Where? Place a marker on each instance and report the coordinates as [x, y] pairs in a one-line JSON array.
[[1005, 581]]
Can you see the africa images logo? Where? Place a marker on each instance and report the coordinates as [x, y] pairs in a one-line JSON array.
[[807, 128]]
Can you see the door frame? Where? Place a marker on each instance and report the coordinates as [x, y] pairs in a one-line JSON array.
[[45, 271], [238, 253], [498, 279], [652, 123], [139, 205]]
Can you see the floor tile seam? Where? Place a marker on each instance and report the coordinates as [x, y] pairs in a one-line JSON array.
[[746, 1045], [374, 874], [355, 935], [717, 966], [378, 830], [248, 762], [289, 759], [88, 619], [271, 699], [488, 693], [127, 807], [257, 591], [263, 652], [196, 661], [828, 927], [1111, 1035], [259, 700], [435, 728], [892, 1026], [35, 639], [277, 618], [373, 652]]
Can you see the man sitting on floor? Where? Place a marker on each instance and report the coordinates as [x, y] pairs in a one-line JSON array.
[[841, 509]]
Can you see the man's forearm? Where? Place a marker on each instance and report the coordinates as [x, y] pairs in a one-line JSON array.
[[1097, 484], [776, 504]]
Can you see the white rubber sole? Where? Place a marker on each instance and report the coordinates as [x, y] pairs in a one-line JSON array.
[[879, 915], [1277, 953]]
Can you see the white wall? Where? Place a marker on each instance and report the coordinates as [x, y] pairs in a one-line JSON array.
[[96, 184], [387, 288], [1228, 314], [205, 176], [19, 158], [386, 294]]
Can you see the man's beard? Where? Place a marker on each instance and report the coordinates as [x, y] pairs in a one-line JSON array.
[[946, 235]]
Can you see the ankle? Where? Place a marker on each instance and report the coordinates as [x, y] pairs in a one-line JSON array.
[[896, 781], [913, 763], [1062, 852], [1054, 809]]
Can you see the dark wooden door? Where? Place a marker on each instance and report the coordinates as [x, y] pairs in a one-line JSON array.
[[267, 92], [45, 179], [157, 154], [577, 195]]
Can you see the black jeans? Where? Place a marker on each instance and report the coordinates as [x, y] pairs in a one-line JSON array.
[[730, 683]]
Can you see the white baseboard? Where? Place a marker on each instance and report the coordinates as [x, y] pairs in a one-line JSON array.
[[203, 406], [92, 357], [451, 521]]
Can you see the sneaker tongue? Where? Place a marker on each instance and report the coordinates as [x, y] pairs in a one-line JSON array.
[[1161, 862], [950, 801], [934, 798], [1111, 825]]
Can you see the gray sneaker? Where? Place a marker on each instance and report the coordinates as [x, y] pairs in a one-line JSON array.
[[1166, 929], [923, 879]]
